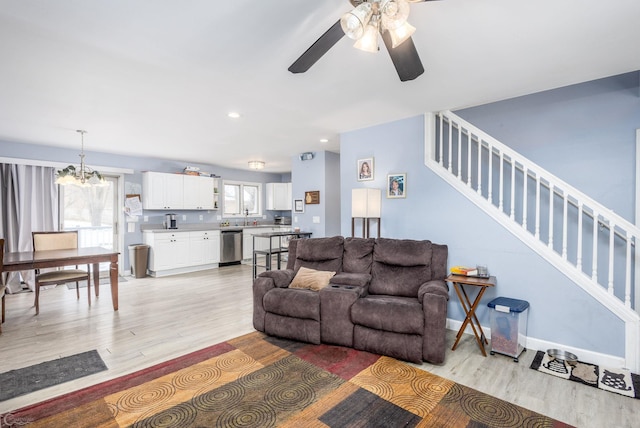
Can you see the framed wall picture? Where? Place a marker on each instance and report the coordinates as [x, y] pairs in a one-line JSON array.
[[365, 169], [298, 206], [312, 197], [397, 186]]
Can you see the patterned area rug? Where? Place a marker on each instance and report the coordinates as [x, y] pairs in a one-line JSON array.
[[259, 381], [620, 381]]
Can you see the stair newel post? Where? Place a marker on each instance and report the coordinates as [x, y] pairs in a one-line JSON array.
[[612, 236], [512, 215]]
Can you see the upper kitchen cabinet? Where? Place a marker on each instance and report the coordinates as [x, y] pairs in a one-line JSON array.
[[161, 191], [198, 193], [279, 196], [164, 191]]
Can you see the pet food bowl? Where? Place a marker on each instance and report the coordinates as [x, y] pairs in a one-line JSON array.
[[563, 355]]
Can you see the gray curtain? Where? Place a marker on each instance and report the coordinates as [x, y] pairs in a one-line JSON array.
[[28, 202]]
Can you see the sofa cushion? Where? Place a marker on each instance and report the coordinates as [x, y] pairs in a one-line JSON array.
[[320, 253], [400, 266], [393, 314], [358, 255], [311, 279], [402, 252], [293, 303]]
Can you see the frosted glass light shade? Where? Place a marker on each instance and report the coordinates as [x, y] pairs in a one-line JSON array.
[[365, 203], [401, 34], [369, 40], [353, 22]]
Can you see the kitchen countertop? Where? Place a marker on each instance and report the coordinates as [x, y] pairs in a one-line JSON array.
[[204, 228]]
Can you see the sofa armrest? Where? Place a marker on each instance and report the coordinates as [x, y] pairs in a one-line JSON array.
[[434, 296], [261, 286], [281, 278], [435, 286]]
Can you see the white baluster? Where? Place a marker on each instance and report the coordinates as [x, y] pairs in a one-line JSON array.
[[525, 196], [537, 234], [612, 235], [564, 226], [450, 144], [551, 214], [490, 183], [440, 160], [479, 190], [627, 274], [579, 257], [513, 189], [459, 152], [594, 270], [501, 184], [470, 143]]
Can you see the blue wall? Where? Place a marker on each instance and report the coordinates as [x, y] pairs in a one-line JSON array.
[[321, 173], [584, 133]]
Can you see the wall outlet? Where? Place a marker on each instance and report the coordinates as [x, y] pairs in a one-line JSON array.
[[201, 217], [264, 217], [184, 217], [295, 219], [218, 217], [316, 219], [146, 218]]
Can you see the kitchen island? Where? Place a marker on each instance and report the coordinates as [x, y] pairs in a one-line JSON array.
[[272, 244]]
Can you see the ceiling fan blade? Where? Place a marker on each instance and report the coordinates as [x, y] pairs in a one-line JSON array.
[[405, 58], [317, 49]]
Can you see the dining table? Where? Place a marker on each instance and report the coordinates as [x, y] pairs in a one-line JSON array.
[[31, 260]]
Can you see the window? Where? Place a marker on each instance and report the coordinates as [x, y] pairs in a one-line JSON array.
[[240, 197]]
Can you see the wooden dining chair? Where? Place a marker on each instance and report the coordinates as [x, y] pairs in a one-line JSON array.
[[2, 286], [43, 241]]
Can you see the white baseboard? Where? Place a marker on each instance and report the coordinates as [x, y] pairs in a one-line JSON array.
[[534, 344]]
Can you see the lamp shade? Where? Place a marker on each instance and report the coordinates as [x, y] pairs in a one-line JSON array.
[[366, 203]]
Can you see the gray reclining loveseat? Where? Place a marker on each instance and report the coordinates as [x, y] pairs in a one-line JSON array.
[[388, 296]]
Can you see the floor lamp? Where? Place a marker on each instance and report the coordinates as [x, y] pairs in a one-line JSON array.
[[365, 205]]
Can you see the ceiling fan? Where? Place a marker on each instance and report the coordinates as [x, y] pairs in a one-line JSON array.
[[363, 24]]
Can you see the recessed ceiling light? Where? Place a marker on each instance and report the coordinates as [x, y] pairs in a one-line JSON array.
[[324, 140], [233, 114]]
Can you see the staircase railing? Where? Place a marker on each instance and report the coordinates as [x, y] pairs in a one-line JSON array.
[[586, 241]]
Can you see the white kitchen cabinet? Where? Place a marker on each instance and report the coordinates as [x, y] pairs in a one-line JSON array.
[[204, 247], [278, 196], [181, 252], [161, 191], [168, 250], [198, 193]]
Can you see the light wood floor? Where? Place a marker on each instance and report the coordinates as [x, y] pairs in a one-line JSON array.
[[162, 318]]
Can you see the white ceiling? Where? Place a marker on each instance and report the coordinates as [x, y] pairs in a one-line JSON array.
[[157, 77]]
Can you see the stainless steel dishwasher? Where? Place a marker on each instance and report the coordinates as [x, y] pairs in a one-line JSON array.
[[230, 246]]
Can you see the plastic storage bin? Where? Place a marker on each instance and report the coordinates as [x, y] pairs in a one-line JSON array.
[[508, 326]]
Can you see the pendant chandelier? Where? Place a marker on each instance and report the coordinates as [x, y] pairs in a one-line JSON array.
[[82, 176]]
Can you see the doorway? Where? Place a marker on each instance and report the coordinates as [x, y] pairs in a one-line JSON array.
[[93, 212]]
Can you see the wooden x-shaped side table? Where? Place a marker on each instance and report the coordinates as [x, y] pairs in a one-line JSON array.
[[459, 281]]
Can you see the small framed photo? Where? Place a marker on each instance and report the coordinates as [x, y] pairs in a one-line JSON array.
[[298, 206], [312, 197], [397, 186], [365, 169]]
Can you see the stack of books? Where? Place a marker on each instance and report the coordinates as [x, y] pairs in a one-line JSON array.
[[466, 271]]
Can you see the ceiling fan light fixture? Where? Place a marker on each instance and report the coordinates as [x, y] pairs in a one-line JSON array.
[[353, 23], [401, 34], [394, 13], [369, 40]]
